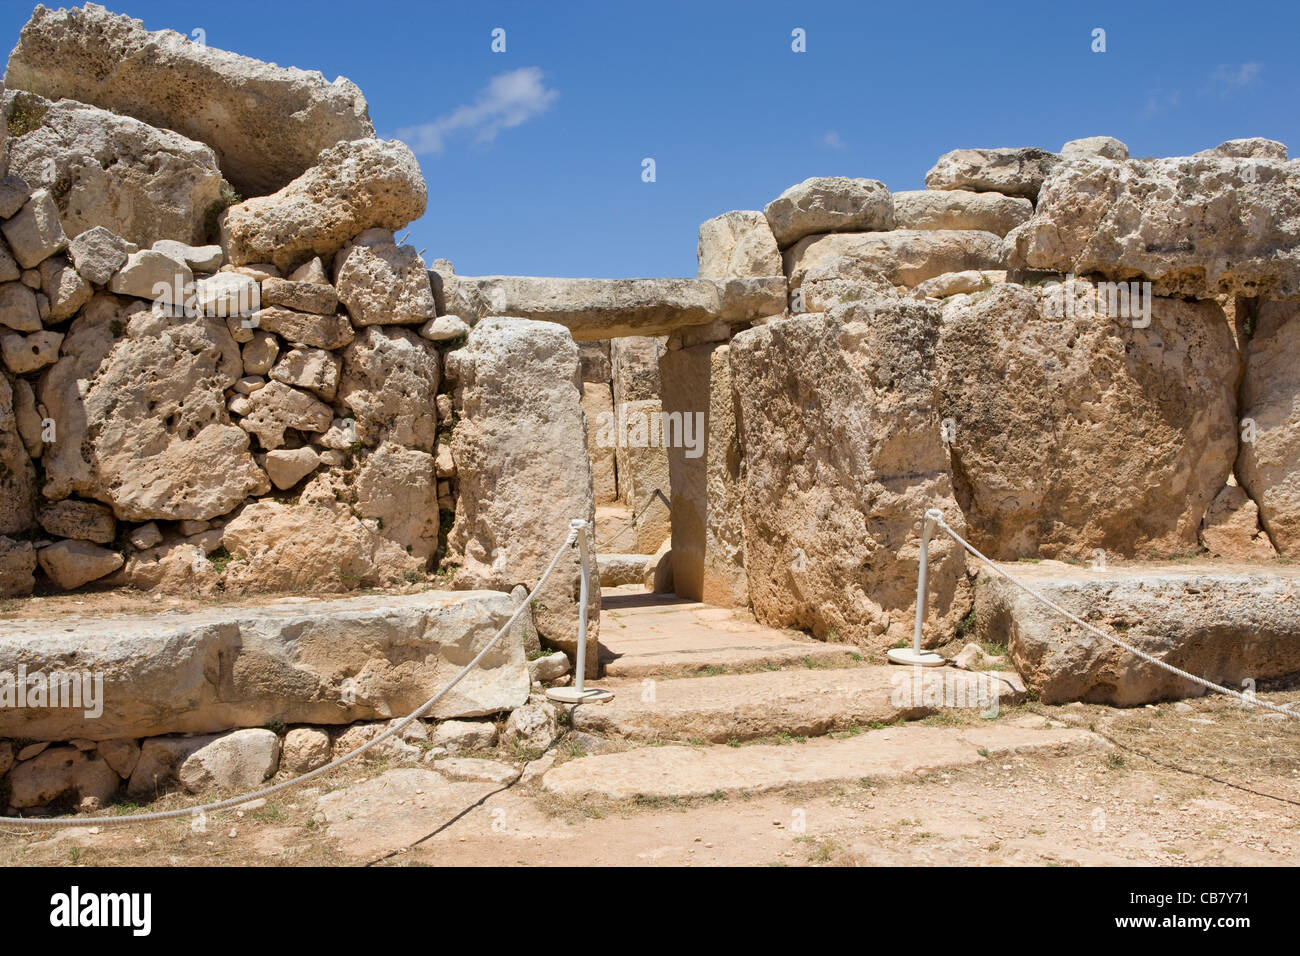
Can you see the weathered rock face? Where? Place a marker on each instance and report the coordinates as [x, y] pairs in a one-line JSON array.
[[1231, 528], [829, 204], [318, 662], [1268, 463], [354, 186], [1014, 171], [18, 489], [390, 377], [61, 770], [17, 562], [266, 123], [1224, 626], [904, 257], [398, 486], [1071, 430], [103, 169], [1256, 147], [594, 309], [141, 418], [598, 408], [1196, 226], [276, 408], [644, 475], [312, 547], [960, 209], [522, 468], [840, 428], [737, 243]]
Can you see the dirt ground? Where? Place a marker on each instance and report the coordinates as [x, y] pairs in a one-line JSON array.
[[1205, 783]]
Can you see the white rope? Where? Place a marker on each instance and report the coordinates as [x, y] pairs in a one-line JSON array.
[[85, 821], [1209, 685]]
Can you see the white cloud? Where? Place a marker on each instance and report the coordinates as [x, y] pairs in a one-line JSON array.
[[508, 100], [1228, 79], [832, 139]]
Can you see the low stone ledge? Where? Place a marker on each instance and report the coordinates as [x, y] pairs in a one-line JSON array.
[[296, 660], [1226, 625]]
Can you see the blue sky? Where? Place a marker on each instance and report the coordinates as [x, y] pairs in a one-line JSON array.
[[534, 156]]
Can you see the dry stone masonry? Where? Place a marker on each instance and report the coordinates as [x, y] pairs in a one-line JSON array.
[[225, 376]]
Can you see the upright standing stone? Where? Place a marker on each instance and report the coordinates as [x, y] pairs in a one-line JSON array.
[[843, 456], [522, 469]]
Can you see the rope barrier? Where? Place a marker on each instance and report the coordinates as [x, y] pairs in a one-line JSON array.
[[392, 731], [1248, 699]]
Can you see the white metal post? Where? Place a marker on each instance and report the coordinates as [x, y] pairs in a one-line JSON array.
[[914, 655], [579, 692]]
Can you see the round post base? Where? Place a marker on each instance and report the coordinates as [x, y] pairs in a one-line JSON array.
[[905, 655], [571, 695]]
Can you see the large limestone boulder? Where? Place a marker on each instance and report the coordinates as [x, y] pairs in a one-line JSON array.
[[398, 486], [266, 123], [840, 426], [523, 472], [737, 243], [1013, 171], [390, 377], [1196, 226], [1071, 430], [60, 770], [829, 204], [1107, 147], [213, 669], [353, 186], [138, 401], [310, 546], [1231, 528], [236, 761], [1226, 626], [1268, 463], [960, 209], [103, 169], [384, 284], [904, 257], [18, 483], [70, 564]]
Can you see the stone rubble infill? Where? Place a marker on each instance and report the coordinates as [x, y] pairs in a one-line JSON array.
[[801, 703], [296, 660], [1227, 625], [889, 754], [594, 309]]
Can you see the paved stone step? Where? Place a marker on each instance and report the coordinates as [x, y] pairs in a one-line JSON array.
[[802, 703], [887, 754], [655, 635]]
